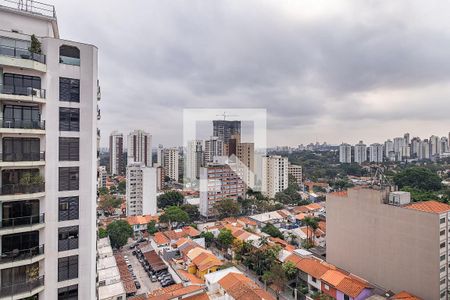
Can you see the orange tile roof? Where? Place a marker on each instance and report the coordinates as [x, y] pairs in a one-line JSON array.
[[247, 221], [241, 287], [191, 231], [333, 277], [175, 293], [202, 296], [190, 277], [403, 295], [312, 267], [295, 259], [181, 242], [351, 287], [141, 220], [431, 206], [160, 239]]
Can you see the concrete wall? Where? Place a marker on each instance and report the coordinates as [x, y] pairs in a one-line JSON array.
[[394, 247]]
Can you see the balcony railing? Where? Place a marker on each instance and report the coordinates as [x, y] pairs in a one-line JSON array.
[[15, 188], [21, 53], [74, 61], [22, 287], [23, 124], [22, 221], [18, 255], [17, 156], [22, 91]]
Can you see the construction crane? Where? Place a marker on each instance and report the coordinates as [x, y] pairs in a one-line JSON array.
[[224, 115]]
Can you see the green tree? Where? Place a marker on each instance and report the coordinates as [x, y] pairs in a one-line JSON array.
[[192, 211], [122, 187], [272, 230], [419, 178], [312, 223], [35, 46], [276, 277], [102, 233], [174, 214], [170, 198], [151, 227], [289, 269], [103, 191], [109, 202], [208, 236], [227, 208], [119, 231], [225, 238]]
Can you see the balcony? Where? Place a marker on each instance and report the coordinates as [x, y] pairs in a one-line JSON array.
[[22, 224], [19, 126], [23, 289], [16, 191], [22, 58], [17, 159], [18, 257], [22, 93]]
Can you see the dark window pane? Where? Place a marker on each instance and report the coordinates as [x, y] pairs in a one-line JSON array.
[[69, 149], [69, 119], [67, 268], [68, 293], [69, 89], [68, 208]]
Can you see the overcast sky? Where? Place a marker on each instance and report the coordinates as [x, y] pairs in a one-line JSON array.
[[325, 70]]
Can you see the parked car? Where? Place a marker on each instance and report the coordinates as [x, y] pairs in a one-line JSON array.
[[137, 284], [153, 278]]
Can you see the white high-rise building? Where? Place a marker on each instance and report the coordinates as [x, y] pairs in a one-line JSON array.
[[388, 149], [376, 153], [193, 160], [345, 153], [435, 145], [444, 145], [102, 175], [275, 176], [139, 147], [424, 150], [213, 147], [48, 96], [116, 159], [415, 145], [169, 161], [141, 189], [360, 152]]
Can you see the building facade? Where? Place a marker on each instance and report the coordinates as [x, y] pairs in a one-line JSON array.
[[275, 176], [141, 189], [213, 147], [169, 160], [392, 243], [360, 152], [218, 182], [224, 129], [376, 153], [345, 153], [48, 93], [139, 147], [116, 159], [296, 172]]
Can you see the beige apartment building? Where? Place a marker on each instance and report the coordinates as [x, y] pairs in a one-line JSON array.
[[389, 241], [296, 172]]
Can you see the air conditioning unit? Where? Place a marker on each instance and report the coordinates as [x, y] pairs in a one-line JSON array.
[[399, 198]]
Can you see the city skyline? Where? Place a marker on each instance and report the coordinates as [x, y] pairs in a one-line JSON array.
[[382, 74]]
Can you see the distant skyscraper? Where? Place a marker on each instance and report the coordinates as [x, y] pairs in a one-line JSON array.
[[193, 159], [415, 145], [424, 150], [376, 153], [213, 147], [141, 189], [224, 130], [116, 159], [400, 148], [444, 145], [275, 170], [169, 160], [360, 152], [140, 147], [388, 148], [345, 153], [406, 136], [435, 146]]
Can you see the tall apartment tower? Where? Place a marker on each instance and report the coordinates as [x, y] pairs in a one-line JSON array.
[[245, 152], [224, 130], [139, 147], [218, 182], [116, 163], [424, 150], [360, 152], [444, 145], [345, 153], [400, 148], [392, 243], [296, 172], [213, 147], [275, 176], [169, 161], [141, 189], [193, 160], [389, 149], [415, 144], [376, 153], [48, 93]]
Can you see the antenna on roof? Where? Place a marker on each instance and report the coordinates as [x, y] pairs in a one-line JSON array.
[[224, 115], [380, 179]]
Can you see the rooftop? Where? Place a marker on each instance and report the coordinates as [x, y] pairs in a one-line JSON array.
[[30, 7], [431, 206]]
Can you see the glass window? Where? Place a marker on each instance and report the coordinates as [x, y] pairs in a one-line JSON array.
[[69, 89], [67, 268], [69, 149], [69, 178], [68, 293], [69, 119], [68, 208], [69, 55], [67, 238]]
